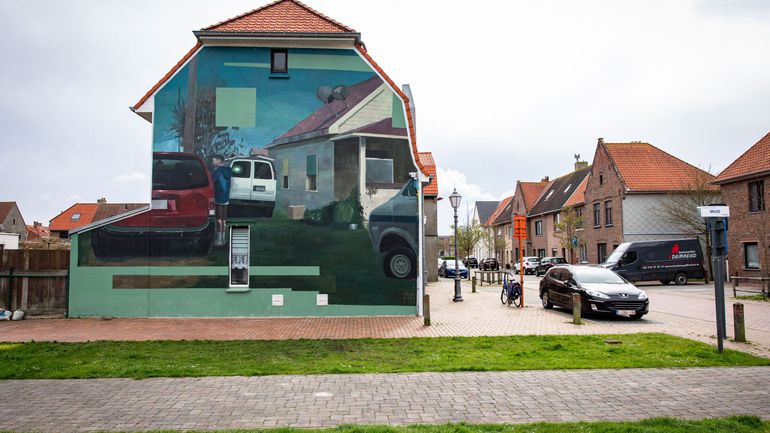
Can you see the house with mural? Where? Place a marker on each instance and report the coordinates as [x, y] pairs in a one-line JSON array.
[[286, 181]]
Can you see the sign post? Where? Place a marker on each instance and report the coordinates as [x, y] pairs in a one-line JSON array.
[[520, 233], [716, 222]]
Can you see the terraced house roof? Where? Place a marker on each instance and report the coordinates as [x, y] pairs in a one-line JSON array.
[[485, 209], [503, 214], [645, 168], [559, 192], [282, 16], [426, 158], [530, 191], [754, 162]]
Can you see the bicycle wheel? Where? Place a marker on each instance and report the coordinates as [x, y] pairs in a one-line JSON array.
[[504, 296], [517, 298]]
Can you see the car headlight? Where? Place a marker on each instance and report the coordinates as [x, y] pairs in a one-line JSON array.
[[597, 294], [642, 295]]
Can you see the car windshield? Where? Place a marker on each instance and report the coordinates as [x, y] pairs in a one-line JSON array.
[[451, 264], [617, 254], [176, 173], [532, 259], [596, 275], [559, 260]]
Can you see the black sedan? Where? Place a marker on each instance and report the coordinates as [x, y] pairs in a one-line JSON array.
[[471, 262], [600, 289], [547, 263], [490, 264]]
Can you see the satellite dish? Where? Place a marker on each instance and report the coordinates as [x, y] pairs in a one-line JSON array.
[[340, 92], [324, 94]]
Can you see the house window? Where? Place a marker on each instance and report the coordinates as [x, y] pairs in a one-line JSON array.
[[601, 252], [510, 231], [597, 215], [553, 253], [242, 169], [539, 227], [75, 216], [556, 219], [285, 174], [541, 253], [751, 255], [583, 253], [579, 218], [263, 171], [757, 196], [601, 179], [279, 61], [379, 170], [608, 213], [311, 181]]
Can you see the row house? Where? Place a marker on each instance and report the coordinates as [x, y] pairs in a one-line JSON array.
[[82, 214], [545, 215], [501, 225], [524, 199], [482, 210], [743, 189], [627, 188]]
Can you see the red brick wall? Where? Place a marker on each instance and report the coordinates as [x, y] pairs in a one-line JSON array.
[[746, 227], [611, 188]]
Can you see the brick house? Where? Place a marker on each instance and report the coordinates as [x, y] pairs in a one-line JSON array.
[[11, 220], [743, 185], [501, 224], [628, 184], [546, 213], [524, 199]]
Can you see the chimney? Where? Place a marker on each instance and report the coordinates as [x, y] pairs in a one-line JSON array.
[[600, 141], [102, 201], [545, 179], [36, 224], [579, 165]]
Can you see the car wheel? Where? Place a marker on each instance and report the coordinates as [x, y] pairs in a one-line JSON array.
[[680, 279], [400, 263], [516, 271], [665, 282], [546, 300]]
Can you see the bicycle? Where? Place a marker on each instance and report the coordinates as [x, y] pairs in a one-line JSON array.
[[511, 293]]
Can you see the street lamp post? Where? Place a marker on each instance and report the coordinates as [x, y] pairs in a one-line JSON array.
[[455, 200]]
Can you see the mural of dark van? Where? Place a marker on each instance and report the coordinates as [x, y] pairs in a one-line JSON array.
[[675, 260], [393, 230]]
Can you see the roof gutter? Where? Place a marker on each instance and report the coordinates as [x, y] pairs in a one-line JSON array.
[[214, 34]]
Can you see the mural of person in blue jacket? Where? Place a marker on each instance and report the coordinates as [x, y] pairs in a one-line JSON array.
[[222, 175]]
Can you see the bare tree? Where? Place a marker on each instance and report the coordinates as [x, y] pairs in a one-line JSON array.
[[568, 228], [468, 236], [680, 208]]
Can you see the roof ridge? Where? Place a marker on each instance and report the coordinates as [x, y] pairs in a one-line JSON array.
[[673, 156], [269, 5]]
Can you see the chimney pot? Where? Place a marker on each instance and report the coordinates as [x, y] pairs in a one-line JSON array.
[[545, 179], [102, 201]]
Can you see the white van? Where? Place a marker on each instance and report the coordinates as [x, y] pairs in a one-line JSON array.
[[253, 183]]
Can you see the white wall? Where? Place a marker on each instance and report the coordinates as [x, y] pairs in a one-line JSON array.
[[644, 220], [9, 241]]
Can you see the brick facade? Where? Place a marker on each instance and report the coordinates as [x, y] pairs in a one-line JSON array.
[[747, 227], [604, 185]]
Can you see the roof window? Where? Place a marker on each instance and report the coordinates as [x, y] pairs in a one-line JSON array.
[[75, 216]]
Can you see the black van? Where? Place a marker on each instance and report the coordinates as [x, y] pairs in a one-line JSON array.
[[674, 260]]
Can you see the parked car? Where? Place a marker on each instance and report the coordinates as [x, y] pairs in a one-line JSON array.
[[180, 219], [547, 263], [668, 260], [393, 230], [490, 264], [601, 291], [530, 263], [253, 184], [447, 269], [471, 262]]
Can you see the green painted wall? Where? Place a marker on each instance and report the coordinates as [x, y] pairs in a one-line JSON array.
[[91, 294]]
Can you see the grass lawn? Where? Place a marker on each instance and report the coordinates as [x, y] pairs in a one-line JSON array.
[[757, 297], [252, 358]]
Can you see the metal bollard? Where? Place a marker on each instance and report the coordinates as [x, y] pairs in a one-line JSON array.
[[576, 309], [426, 309], [740, 323], [473, 284]]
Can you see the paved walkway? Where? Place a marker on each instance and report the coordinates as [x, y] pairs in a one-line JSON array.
[[328, 400], [686, 312]]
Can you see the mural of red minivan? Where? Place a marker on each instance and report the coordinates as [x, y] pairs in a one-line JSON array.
[[179, 219]]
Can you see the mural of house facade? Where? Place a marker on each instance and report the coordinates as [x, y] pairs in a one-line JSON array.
[[286, 181]]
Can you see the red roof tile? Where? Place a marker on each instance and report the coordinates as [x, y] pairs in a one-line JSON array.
[[645, 168], [755, 161], [500, 208], [37, 232], [64, 221], [426, 158], [284, 16], [531, 192]]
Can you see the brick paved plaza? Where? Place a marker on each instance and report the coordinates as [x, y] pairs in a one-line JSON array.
[[327, 400], [684, 311]]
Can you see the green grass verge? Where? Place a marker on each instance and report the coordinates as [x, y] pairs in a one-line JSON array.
[[757, 297], [255, 358]]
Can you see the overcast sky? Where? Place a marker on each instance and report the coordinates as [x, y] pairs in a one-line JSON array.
[[504, 90]]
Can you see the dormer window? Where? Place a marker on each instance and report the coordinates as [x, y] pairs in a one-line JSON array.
[[76, 216], [279, 61]]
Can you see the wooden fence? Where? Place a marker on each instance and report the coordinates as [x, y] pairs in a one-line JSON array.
[[34, 281]]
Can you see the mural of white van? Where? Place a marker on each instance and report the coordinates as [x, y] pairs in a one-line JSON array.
[[393, 230], [253, 184]]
